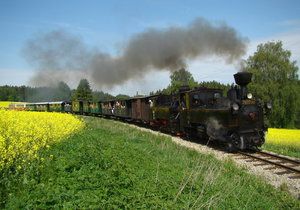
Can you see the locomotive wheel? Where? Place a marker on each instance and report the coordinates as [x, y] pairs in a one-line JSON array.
[[235, 143], [230, 148]]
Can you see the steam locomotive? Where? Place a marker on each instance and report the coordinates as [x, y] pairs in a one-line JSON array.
[[236, 120]]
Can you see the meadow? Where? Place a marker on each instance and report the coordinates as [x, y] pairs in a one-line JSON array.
[[283, 141], [109, 165]]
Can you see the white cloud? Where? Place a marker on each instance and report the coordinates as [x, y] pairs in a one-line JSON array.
[[290, 40]]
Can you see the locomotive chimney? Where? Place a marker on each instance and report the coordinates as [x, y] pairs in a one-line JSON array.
[[242, 79]]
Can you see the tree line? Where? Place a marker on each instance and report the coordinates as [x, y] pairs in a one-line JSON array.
[[60, 92]]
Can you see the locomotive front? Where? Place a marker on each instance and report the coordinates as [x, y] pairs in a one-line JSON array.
[[248, 115]]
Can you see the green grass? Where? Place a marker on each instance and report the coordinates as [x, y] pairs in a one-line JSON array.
[[288, 150], [110, 165]]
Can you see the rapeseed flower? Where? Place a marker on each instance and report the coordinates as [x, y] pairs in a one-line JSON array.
[[284, 137], [23, 133]]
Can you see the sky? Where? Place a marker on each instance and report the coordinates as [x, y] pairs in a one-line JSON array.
[[107, 25]]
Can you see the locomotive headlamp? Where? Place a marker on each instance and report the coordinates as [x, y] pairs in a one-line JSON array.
[[249, 96], [269, 105], [235, 107]]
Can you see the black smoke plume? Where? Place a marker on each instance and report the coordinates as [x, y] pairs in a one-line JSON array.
[[60, 55]]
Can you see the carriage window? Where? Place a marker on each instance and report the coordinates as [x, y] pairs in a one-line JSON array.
[[163, 101], [198, 99], [217, 95]]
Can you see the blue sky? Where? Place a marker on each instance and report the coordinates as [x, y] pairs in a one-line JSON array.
[[108, 24]]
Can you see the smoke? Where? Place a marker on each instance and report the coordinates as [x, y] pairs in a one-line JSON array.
[[61, 55], [215, 129], [57, 55], [241, 65]]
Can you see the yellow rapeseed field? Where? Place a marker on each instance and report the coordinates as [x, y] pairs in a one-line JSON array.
[[284, 137], [22, 133], [5, 104]]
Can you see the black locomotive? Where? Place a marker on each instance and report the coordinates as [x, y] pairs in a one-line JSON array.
[[236, 120], [203, 113]]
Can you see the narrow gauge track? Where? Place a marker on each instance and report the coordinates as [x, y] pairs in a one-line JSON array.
[[273, 161]]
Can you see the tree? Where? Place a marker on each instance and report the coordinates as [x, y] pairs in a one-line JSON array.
[[63, 92], [122, 96], [275, 79], [215, 84], [83, 91], [101, 96], [180, 78]]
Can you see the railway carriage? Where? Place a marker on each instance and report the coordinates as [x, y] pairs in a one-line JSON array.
[[17, 106], [161, 111], [42, 107], [57, 106], [30, 106], [67, 106], [95, 108], [141, 110], [108, 108], [86, 107], [123, 109], [77, 107]]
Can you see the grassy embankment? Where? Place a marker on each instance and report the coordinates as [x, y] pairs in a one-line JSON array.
[[283, 141], [109, 165]]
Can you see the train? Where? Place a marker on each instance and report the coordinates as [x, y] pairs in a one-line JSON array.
[[236, 120]]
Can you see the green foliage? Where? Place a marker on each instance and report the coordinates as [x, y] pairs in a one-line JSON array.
[[12, 93], [83, 91], [215, 84], [122, 96], [61, 92], [288, 150], [179, 78], [101, 96], [113, 166], [275, 79], [183, 77]]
